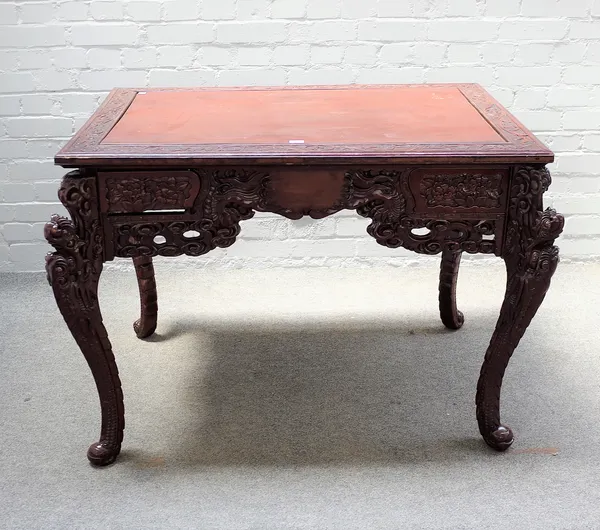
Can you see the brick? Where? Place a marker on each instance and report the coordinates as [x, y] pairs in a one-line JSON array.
[[17, 232], [351, 227], [543, 30], [29, 127], [69, 58], [253, 248], [144, 11], [43, 148], [562, 143], [533, 76], [326, 75], [28, 36], [13, 148], [584, 30], [583, 225], [218, 9], [464, 53], [18, 192], [102, 58], [429, 54], [390, 75], [463, 8], [37, 13], [582, 75], [254, 56], [502, 8], [73, 11], [496, 52], [28, 254], [530, 99], [7, 213], [32, 170], [462, 31], [354, 9], [46, 191], [393, 8], [9, 60], [310, 228], [104, 34], [332, 30], [39, 104], [10, 106], [592, 142], [174, 78], [215, 56], [320, 9], [561, 97], [17, 82], [253, 9], [288, 9], [175, 56], [8, 14], [35, 59], [252, 77], [361, 54], [397, 53], [569, 52], [581, 119], [181, 10], [596, 8], [106, 10], [38, 212], [583, 164], [251, 32], [267, 229], [580, 247], [319, 247], [109, 79], [539, 120], [390, 30], [140, 57], [326, 54], [531, 54], [190, 33], [291, 55], [461, 74], [51, 80]]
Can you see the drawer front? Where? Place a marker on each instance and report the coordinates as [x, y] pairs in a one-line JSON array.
[[143, 191], [468, 190]]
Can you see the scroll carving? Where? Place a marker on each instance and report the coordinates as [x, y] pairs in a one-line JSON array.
[[465, 190]]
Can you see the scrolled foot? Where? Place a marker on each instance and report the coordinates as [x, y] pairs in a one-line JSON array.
[[143, 329], [103, 453], [500, 439]]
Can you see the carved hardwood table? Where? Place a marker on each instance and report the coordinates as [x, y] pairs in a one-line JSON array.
[[439, 169]]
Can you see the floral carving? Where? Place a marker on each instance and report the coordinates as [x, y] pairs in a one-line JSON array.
[[465, 190], [137, 194]]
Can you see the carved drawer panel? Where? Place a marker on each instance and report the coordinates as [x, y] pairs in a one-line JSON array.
[[463, 190], [141, 191]]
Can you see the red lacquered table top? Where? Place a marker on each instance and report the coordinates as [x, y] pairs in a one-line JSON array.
[[431, 123]]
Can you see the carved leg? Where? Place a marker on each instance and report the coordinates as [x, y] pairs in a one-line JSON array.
[[146, 324], [451, 316], [73, 272], [531, 260]]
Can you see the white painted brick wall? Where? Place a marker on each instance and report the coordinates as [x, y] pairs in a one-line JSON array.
[[58, 59]]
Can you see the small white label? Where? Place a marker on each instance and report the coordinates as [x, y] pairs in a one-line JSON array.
[[296, 141]]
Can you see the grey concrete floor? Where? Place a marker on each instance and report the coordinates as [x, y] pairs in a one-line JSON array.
[[313, 399]]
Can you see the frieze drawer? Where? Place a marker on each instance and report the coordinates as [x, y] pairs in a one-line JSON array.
[[461, 189], [143, 191]]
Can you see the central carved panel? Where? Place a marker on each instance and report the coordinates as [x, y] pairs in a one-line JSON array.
[[229, 196]]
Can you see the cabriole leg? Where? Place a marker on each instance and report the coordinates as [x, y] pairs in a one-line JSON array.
[[146, 324], [531, 259], [73, 272], [452, 318]]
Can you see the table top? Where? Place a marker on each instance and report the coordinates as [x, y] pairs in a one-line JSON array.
[[337, 124]]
